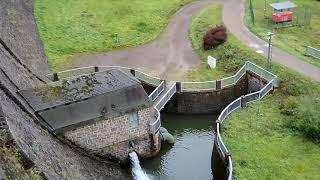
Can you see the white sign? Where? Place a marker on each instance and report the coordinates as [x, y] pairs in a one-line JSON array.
[[212, 62]]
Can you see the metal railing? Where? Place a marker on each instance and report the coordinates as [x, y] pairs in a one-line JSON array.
[[198, 86], [106, 68], [259, 71], [156, 93], [73, 72], [228, 81], [310, 51], [235, 105], [92, 69], [155, 126], [166, 97], [147, 78]]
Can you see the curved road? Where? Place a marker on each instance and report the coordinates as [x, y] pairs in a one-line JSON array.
[[171, 54]]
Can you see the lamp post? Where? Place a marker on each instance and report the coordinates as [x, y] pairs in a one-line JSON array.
[[265, 9], [269, 49]]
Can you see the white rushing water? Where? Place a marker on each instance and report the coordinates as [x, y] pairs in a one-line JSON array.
[[137, 172]]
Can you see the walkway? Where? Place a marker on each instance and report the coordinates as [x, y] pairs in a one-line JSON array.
[[235, 24], [172, 52], [169, 56]]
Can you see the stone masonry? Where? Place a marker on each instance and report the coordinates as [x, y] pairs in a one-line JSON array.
[[105, 134]]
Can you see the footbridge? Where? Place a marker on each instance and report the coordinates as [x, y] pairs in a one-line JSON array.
[[262, 83]]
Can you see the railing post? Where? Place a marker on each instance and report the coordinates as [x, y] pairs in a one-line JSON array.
[[243, 101], [133, 72], [96, 69], [55, 77], [164, 83], [226, 160], [218, 84], [178, 86]]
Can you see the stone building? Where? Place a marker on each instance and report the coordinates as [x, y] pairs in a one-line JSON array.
[[100, 113]]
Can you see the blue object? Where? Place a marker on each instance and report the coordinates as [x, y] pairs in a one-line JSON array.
[[283, 5]]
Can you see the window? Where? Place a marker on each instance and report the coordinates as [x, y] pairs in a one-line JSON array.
[[133, 119]]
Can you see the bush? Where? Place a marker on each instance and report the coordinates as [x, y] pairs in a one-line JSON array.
[[307, 117], [289, 106], [230, 57], [214, 37]]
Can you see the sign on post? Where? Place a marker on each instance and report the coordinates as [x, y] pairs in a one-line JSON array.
[[212, 62]]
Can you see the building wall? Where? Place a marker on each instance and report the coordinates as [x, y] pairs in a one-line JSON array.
[[110, 137], [146, 146]]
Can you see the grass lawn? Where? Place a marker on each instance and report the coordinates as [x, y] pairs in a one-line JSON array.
[[70, 27], [292, 39], [262, 144]]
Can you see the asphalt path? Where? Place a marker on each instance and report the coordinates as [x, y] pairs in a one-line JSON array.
[[171, 55]]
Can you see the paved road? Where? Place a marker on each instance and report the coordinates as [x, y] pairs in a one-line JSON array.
[[234, 11], [171, 54], [168, 56]]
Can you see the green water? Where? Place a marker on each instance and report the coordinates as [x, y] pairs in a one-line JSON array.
[[190, 156]]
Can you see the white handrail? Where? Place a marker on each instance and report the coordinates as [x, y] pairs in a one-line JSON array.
[[155, 126], [162, 102], [156, 93], [311, 51], [228, 110]]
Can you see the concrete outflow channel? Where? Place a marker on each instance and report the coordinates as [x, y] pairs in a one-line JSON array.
[[249, 84], [22, 55]]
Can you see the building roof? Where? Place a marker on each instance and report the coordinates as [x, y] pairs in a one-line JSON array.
[[283, 5], [83, 98]]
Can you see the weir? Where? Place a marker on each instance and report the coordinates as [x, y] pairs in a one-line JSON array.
[[223, 96], [137, 172]]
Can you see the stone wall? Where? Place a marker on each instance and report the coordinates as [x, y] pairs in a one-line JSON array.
[[19, 31], [255, 83], [53, 158], [22, 62], [110, 137], [146, 146], [206, 101]]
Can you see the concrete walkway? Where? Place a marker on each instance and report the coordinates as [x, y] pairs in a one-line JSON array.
[[171, 54]]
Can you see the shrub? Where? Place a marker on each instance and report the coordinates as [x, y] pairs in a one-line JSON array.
[[292, 88], [307, 117], [289, 106], [214, 37], [231, 57]]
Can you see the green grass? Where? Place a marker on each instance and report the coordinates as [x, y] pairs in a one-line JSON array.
[[292, 39], [71, 27], [261, 143]]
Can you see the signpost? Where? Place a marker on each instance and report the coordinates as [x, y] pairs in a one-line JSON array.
[[212, 62], [269, 49], [251, 12]]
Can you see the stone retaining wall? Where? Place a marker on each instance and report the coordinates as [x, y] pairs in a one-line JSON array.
[[18, 30], [20, 132], [206, 101]]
